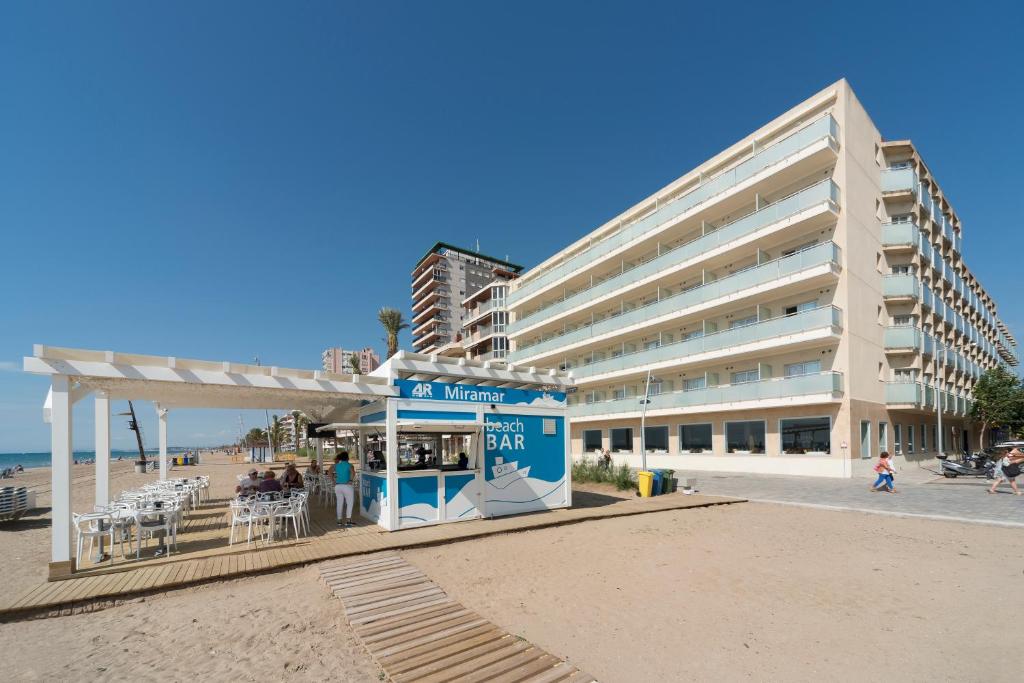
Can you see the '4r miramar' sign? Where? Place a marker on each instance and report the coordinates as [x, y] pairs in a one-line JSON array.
[[468, 393]]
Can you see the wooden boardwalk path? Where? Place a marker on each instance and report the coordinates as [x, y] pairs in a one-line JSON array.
[[204, 554], [415, 632]]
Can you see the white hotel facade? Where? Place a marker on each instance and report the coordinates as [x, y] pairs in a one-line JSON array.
[[800, 301]]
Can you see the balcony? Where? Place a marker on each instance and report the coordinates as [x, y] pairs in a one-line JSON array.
[[821, 387], [477, 312], [823, 129], [688, 351], [904, 286], [904, 394], [899, 180], [903, 339], [428, 286], [677, 305], [824, 192], [900, 235]]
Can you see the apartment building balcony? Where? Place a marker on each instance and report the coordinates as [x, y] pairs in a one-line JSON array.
[[899, 180], [900, 236], [430, 298], [800, 329], [824, 387], [907, 395], [435, 269], [430, 285], [820, 136], [481, 334], [901, 287], [433, 336], [819, 199], [820, 262], [427, 324], [479, 311]]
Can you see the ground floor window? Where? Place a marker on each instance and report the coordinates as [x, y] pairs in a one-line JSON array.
[[898, 438], [656, 439], [883, 436], [622, 440], [744, 437], [924, 439], [910, 438], [695, 438], [806, 435], [591, 440]]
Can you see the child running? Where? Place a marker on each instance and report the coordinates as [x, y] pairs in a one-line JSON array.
[[885, 474]]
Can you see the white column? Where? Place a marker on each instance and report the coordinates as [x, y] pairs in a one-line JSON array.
[[161, 414], [60, 470], [391, 434], [102, 448]]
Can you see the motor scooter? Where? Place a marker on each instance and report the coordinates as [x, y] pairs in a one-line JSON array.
[[968, 465]]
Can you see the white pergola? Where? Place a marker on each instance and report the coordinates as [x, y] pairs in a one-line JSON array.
[[171, 383]]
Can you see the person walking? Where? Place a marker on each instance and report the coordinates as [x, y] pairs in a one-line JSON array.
[[1008, 469], [343, 493], [883, 468]]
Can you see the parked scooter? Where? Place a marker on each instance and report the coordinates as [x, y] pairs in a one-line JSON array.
[[968, 465]]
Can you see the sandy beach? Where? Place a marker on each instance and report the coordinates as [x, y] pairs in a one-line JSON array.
[[747, 591]]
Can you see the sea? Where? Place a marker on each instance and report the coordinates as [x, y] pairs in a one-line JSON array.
[[42, 459]]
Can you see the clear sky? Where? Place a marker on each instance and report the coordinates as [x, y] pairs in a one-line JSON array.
[[216, 180]]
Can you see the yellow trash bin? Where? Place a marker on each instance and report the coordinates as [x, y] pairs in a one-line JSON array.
[[646, 482]]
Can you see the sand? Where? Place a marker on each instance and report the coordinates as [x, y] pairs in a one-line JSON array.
[[284, 626], [752, 592]]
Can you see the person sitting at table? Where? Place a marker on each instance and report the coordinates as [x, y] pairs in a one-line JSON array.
[[421, 458], [291, 477], [463, 461], [250, 484], [269, 483]]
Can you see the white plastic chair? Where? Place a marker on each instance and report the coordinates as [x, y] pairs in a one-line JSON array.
[[92, 525], [241, 515], [150, 521], [291, 511]]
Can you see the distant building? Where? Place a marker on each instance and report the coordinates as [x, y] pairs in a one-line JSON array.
[[441, 281], [485, 318], [338, 360]]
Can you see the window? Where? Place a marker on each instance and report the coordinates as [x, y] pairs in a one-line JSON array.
[[622, 440], [806, 435], [902, 320], [883, 436], [656, 439], [935, 442], [744, 437], [865, 439], [902, 269], [898, 438], [695, 438], [904, 374], [800, 308], [901, 218], [591, 440], [743, 322], [790, 252], [899, 164], [924, 439], [910, 438], [809, 367], [744, 376], [694, 384]]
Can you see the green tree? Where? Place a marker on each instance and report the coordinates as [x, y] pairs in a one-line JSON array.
[[299, 422], [998, 402], [254, 437], [393, 323], [353, 362], [277, 433]]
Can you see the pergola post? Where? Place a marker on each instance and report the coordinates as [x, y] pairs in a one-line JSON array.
[[102, 448], [161, 414], [61, 563], [391, 459]]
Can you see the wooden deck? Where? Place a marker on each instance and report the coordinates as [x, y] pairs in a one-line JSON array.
[[203, 553], [416, 633]]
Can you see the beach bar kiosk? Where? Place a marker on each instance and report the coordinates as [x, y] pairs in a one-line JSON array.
[[462, 439]]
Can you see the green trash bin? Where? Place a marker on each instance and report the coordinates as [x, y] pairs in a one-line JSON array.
[[666, 481]]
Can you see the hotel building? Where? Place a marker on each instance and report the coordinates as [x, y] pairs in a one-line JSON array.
[[339, 361], [485, 318], [442, 281], [800, 302]]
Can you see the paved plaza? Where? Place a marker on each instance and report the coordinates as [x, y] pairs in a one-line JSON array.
[[920, 493]]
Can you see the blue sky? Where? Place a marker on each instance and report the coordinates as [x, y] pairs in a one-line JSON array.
[[215, 180]]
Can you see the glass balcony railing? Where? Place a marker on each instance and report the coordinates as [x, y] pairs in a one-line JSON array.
[[927, 298], [903, 337], [902, 393], [824, 128], [826, 253], [899, 286], [900, 235], [826, 190], [826, 316], [899, 180], [767, 389]]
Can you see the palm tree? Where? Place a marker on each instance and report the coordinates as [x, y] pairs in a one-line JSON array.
[[353, 362], [277, 433], [391, 319], [255, 437], [298, 426]]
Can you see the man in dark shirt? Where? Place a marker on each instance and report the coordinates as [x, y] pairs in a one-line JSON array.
[[269, 483]]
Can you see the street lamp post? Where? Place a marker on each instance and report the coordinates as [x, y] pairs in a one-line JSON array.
[[643, 423], [938, 405]]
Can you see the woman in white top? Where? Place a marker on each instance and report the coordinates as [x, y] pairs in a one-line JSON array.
[[1007, 469]]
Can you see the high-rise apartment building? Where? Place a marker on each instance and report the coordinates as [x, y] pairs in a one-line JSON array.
[[340, 360], [800, 302], [441, 281], [486, 317]]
